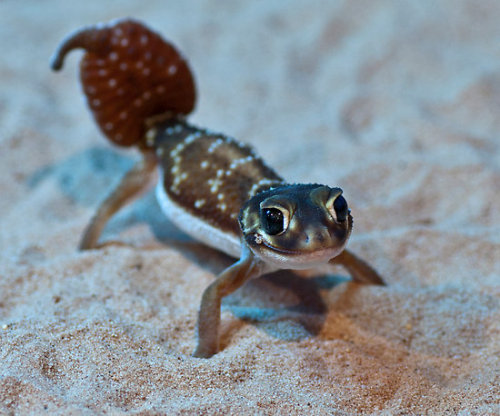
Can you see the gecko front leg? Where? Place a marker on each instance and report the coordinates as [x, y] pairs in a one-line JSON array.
[[360, 271], [209, 315]]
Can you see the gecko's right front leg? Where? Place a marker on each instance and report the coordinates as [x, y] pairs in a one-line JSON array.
[[138, 180], [209, 315]]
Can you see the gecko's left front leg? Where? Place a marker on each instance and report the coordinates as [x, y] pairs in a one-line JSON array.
[[209, 315], [360, 270]]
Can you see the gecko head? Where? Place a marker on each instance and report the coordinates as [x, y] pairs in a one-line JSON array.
[[296, 226]]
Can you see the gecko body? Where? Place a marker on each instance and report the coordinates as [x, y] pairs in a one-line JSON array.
[[216, 189]]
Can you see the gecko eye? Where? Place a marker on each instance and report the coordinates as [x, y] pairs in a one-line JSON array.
[[341, 209], [273, 221]]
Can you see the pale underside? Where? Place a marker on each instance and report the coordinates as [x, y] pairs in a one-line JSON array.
[[195, 227]]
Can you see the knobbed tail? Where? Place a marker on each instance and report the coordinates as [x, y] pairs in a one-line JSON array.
[[130, 76]]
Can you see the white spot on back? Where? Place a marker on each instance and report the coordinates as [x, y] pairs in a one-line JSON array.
[[215, 145], [257, 185], [214, 185], [199, 203], [177, 149], [238, 162], [191, 138]]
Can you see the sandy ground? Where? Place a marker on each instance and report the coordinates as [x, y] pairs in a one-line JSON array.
[[396, 102]]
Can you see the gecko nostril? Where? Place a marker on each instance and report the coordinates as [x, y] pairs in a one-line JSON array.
[[319, 237]]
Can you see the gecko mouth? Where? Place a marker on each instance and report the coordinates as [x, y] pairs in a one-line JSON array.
[[302, 252], [286, 258]]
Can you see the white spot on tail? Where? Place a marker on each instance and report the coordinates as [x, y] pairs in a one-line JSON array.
[[172, 69]]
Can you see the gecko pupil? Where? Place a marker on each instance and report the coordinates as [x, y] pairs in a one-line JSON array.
[[341, 209], [272, 221]]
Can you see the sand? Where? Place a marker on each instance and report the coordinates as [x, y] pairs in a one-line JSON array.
[[396, 102]]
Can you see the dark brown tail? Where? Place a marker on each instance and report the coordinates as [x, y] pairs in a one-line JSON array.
[[129, 75]]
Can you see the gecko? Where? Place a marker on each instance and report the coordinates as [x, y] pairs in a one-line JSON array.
[[140, 90]]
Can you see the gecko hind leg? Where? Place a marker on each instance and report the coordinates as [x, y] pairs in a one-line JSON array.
[[136, 181]]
